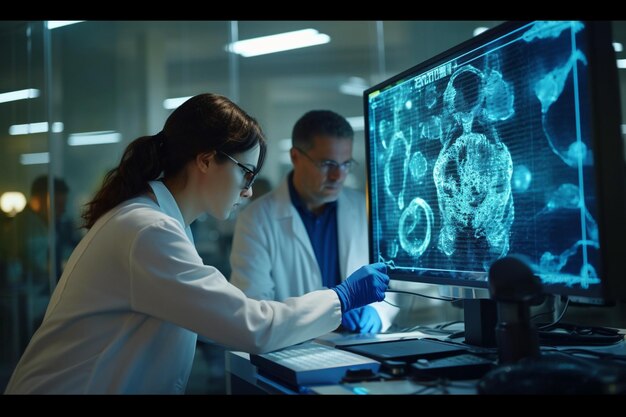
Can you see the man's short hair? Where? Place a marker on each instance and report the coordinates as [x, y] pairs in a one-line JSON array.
[[320, 123], [40, 186]]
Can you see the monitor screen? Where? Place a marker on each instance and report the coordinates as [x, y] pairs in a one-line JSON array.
[[508, 144]]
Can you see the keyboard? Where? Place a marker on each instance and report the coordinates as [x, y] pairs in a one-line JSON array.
[[310, 364]]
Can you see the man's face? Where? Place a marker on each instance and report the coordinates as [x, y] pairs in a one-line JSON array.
[[319, 182]]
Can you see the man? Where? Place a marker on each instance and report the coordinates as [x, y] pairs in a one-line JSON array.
[[310, 232]]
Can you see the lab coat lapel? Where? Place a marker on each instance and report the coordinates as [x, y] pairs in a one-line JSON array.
[[287, 216]]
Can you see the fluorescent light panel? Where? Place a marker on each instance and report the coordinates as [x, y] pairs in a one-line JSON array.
[[172, 103], [621, 63], [35, 158], [278, 43], [30, 128], [55, 24], [94, 138], [19, 95], [623, 129], [618, 47]]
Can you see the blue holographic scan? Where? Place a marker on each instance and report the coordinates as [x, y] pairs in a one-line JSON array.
[[486, 152]]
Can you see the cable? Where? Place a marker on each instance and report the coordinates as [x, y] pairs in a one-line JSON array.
[[423, 295], [424, 329], [448, 324], [442, 384], [541, 314], [391, 304], [456, 335], [439, 329], [600, 355], [555, 322]]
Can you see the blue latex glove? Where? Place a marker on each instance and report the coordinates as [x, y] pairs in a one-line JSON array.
[[366, 285], [364, 319]]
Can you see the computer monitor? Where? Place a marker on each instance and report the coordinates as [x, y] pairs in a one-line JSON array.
[[508, 144]]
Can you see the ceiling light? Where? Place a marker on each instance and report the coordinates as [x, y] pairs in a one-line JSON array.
[[30, 128], [618, 47], [12, 202], [35, 158], [94, 138], [621, 63], [277, 43], [54, 24], [19, 95]]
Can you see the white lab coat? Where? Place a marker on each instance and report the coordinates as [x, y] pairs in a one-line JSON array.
[[135, 293], [272, 257]]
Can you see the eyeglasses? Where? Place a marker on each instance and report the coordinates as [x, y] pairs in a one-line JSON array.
[[328, 165], [248, 174]]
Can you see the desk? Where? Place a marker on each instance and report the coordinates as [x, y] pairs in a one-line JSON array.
[[242, 378]]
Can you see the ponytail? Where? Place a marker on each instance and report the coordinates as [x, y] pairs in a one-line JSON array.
[[140, 163]]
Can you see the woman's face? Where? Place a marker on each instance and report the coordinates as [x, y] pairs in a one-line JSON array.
[[225, 183]]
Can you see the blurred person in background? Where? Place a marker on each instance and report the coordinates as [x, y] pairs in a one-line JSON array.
[[27, 250]]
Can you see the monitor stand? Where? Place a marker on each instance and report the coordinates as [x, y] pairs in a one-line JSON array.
[[481, 317]]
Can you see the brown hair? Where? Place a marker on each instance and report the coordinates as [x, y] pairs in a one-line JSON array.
[[203, 123]]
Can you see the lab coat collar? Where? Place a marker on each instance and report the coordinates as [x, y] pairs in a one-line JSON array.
[[284, 208], [286, 214], [345, 219], [168, 205]]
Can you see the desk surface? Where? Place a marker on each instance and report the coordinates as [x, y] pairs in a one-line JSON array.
[[242, 377]]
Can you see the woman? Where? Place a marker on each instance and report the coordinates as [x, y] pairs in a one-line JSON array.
[[135, 293]]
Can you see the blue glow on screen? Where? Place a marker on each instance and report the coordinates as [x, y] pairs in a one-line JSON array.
[[487, 154]]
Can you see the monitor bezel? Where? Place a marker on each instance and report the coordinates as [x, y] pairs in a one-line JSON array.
[[610, 175]]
